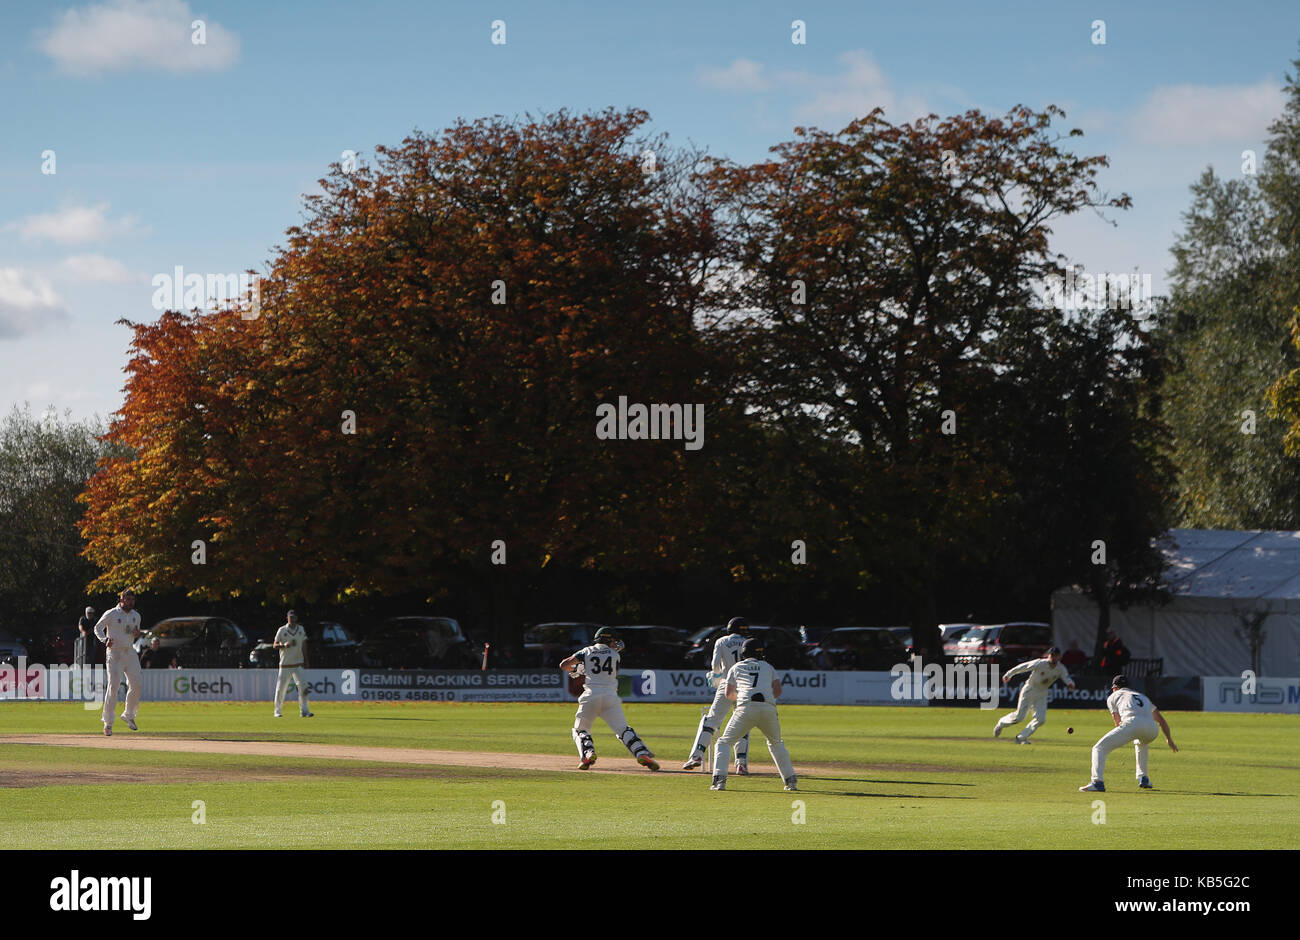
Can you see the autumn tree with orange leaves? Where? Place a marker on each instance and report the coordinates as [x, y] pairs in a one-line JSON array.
[[467, 302]]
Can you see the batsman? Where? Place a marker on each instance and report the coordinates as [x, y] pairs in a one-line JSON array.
[[726, 653]]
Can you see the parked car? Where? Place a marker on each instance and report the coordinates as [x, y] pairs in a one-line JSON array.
[[10, 648], [649, 646], [199, 642], [417, 643], [952, 634], [1004, 644], [545, 644], [871, 649], [785, 650], [330, 645]]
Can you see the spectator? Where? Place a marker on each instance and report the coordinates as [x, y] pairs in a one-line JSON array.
[[57, 650], [91, 652], [1074, 658], [1114, 654], [155, 657]]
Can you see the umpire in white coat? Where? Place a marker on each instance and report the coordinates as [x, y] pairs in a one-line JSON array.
[[116, 630], [291, 641], [753, 686]]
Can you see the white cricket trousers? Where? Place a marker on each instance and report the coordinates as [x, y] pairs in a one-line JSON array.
[[763, 716], [282, 684], [607, 706], [711, 722], [1141, 732], [125, 663], [1029, 701]]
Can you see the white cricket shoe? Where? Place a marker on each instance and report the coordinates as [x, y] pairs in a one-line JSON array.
[[742, 768], [997, 730], [130, 723], [718, 784], [692, 763], [108, 731], [1095, 786], [791, 784]]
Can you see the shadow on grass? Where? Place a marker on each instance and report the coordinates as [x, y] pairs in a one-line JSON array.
[[1216, 793], [886, 796], [917, 783]]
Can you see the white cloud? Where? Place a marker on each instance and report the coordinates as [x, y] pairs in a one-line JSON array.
[[27, 303], [98, 269], [1199, 114], [136, 34], [853, 92], [741, 75], [73, 225]]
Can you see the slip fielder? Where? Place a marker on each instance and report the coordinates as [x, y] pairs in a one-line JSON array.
[[1033, 694], [753, 686], [291, 641], [726, 653], [599, 662], [1136, 720], [117, 629]]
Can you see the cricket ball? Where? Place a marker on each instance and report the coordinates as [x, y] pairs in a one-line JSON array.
[[1069, 731]]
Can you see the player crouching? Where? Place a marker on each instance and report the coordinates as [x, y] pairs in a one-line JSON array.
[[754, 687], [1136, 720], [599, 663]]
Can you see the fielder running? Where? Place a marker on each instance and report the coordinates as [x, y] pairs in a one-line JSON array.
[[754, 687], [291, 641], [117, 629], [726, 653], [599, 663], [1136, 720], [1033, 694]]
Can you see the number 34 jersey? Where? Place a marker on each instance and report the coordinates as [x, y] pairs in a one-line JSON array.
[[600, 663], [1130, 706]]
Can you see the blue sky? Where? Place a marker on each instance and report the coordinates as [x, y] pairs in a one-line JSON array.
[[169, 153]]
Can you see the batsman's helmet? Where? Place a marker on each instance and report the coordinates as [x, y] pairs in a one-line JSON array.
[[1053, 649], [607, 636], [754, 648], [737, 625], [1119, 682]]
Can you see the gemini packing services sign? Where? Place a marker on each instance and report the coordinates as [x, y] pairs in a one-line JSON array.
[[463, 685]]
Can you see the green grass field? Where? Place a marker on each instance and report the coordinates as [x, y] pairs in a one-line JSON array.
[[887, 778]]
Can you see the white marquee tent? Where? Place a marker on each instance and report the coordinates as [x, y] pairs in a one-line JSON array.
[[1219, 581]]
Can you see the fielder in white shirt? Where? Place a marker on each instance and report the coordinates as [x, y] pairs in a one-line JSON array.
[[753, 686], [1136, 720], [117, 629], [291, 641], [1033, 694], [599, 663], [726, 653]]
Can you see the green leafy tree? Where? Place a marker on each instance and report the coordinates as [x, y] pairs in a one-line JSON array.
[[874, 268], [1227, 324], [45, 462]]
